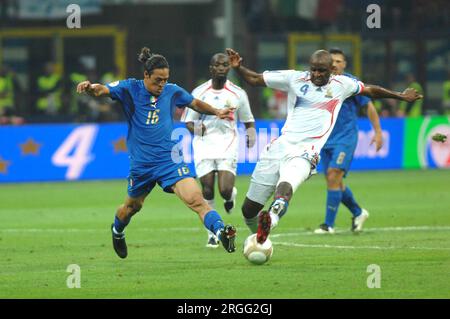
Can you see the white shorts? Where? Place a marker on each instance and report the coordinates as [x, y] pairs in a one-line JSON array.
[[278, 163], [209, 165]]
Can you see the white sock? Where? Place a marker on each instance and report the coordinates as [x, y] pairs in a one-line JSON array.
[[210, 234], [116, 232]]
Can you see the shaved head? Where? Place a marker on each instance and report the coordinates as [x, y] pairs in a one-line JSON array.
[[321, 65], [216, 57], [322, 57]]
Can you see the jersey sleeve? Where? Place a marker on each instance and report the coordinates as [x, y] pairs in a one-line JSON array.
[[118, 89], [351, 86], [183, 97], [278, 79], [244, 111]]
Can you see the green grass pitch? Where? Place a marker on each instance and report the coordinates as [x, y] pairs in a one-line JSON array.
[[46, 227]]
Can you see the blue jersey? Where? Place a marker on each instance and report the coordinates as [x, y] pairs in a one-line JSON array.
[[345, 130], [150, 119]]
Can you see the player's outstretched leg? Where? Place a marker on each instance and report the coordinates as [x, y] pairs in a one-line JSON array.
[[189, 192]]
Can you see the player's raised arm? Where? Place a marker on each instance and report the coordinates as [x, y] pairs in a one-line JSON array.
[[205, 108], [251, 77], [376, 92], [95, 90]]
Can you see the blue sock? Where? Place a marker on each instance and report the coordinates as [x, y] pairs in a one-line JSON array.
[[213, 221], [120, 225], [333, 200], [349, 201]]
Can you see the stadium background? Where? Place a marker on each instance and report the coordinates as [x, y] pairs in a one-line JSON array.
[[269, 35], [83, 138]]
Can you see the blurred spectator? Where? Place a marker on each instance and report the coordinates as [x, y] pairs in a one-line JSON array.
[[74, 99], [49, 87], [446, 95], [260, 15], [88, 107], [411, 109], [109, 110], [8, 114]]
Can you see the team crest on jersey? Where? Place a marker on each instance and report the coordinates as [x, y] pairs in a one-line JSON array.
[[153, 101], [329, 94]]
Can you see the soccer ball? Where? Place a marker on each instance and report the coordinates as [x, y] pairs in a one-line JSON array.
[[256, 253]]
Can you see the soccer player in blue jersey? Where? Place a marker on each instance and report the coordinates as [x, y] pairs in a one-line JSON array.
[[337, 153], [149, 105]]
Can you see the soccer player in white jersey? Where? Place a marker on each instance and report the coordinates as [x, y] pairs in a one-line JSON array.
[[216, 142], [314, 100]]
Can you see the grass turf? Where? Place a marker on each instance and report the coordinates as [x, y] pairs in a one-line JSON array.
[[46, 227]]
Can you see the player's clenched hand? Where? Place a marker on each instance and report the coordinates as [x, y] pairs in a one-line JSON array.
[[378, 140], [234, 57], [84, 86], [410, 95]]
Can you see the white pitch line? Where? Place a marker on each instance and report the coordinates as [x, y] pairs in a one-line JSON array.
[[369, 230], [355, 247], [194, 229]]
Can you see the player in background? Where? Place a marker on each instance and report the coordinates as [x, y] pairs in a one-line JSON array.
[[149, 105], [337, 154], [314, 100], [216, 141]]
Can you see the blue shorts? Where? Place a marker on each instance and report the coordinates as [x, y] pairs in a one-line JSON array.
[[143, 178], [337, 156]]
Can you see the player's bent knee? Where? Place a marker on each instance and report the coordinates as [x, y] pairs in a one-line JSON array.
[[250, 208], [334, 177], [208, 193], [226, 193]]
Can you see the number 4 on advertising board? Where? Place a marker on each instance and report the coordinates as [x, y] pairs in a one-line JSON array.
[[74, 152]]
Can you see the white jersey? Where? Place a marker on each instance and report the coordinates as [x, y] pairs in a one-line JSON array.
[[221, 140], [312, 110]]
